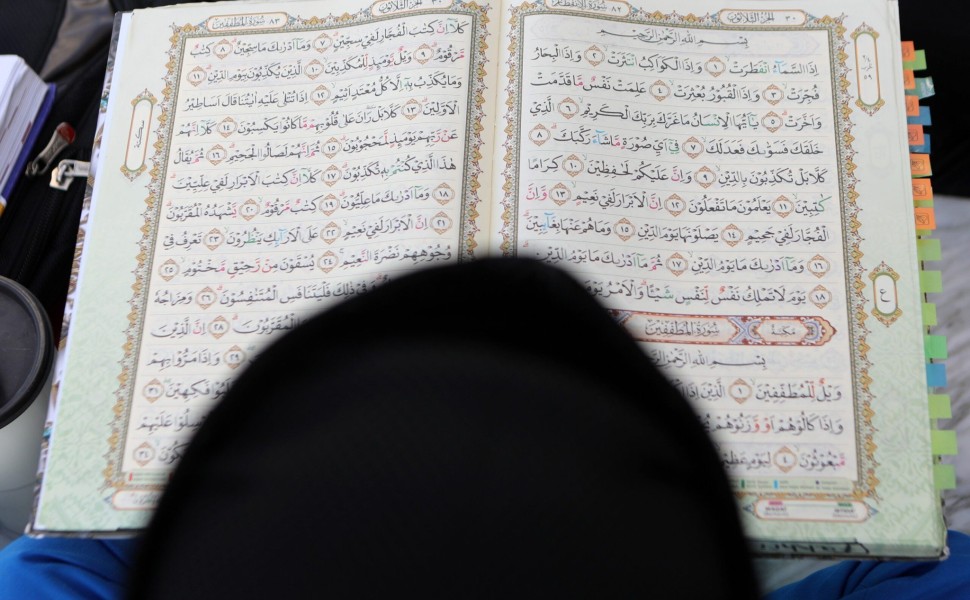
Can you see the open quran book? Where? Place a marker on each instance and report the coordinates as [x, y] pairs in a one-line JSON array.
[[730, 180]]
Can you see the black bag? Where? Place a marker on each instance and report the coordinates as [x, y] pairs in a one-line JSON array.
[[38, 230], [66, 42]]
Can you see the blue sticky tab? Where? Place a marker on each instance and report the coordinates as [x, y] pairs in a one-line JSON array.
[[922, 119], [925, 87], [925, 148], [936, 375]]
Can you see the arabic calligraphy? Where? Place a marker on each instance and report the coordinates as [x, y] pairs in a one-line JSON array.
[[303, 166], [690, 179]]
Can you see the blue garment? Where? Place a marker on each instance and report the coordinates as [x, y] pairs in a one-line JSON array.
[[57, 568], [888, 580], [62, 568]]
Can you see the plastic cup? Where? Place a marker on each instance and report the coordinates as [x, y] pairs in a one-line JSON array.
[[26, 365]]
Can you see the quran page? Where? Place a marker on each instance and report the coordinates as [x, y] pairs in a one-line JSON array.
[[732, 182], [258, 162]]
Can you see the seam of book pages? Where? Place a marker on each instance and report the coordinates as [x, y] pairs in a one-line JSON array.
[[583, 125]]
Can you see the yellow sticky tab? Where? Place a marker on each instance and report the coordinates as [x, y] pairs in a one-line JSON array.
[[944, 477], [922, 189], [929, 314], [935, 346], [930, 282], [929, 249], [912, 105], [925, 218], [909, 51], [940, 406]]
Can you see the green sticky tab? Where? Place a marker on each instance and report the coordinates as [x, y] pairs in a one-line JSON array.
[[935, 346], [944, 477], [929, 314], [920, 60], [929, 249], [940, 406], [943, 441], [930, 282], [918, 63]]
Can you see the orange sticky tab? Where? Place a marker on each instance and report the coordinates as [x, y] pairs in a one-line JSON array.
[[909, 80], [925, 219], [922, 189], [909, 52], [912, 106], [919, 164], [915, 133]]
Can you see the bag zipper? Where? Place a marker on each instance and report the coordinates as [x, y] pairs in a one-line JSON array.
[[53, 203]]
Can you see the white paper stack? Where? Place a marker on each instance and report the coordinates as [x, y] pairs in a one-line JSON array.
[[21, 96]]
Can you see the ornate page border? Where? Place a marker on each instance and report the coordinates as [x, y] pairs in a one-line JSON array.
[[471, 184], [856, 285]]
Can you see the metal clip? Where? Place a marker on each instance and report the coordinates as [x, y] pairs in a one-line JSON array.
[[63, 137], [66, 171]]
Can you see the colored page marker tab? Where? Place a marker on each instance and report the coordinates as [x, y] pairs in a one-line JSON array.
[[929, 314], [940, 406], [912, 106], [944, 477], [936, 375], [924, 87], [935, 347], [930, 282], [915, 134], [925, 218], [929, 249], [909, 51], [909, 80], [943, 442], [925, 148], [919, 164], [917, 62], [923, 118], [922, 189]]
